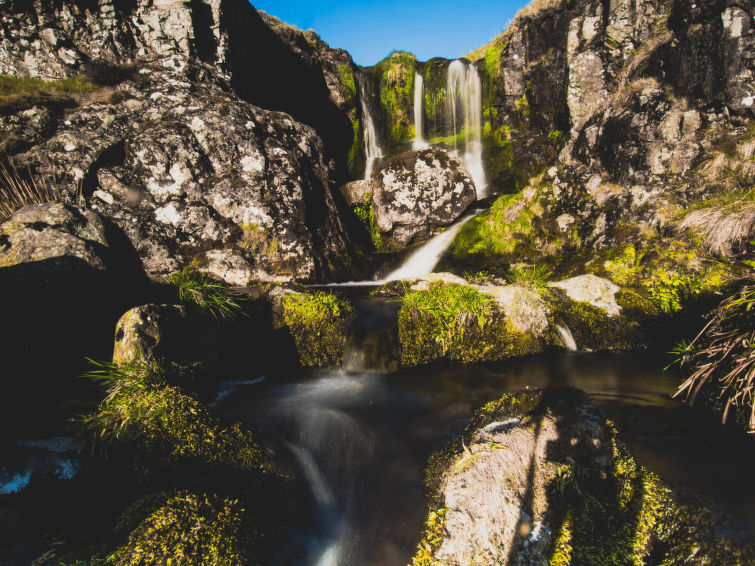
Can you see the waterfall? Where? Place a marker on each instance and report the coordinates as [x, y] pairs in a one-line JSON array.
[[371, 144], [464, 114], [419, 112], [423, 261], [567, 339]]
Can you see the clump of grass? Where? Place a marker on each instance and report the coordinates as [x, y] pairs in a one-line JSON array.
[[450, 304], [533, 277], [207, 293], [17, 93], [158, 427], [722, 357], [18, 190]]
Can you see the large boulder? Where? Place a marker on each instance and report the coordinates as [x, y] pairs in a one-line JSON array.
[[539, 478], [418, 191]]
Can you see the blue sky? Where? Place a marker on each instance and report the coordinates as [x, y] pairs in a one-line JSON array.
[[371, 30]]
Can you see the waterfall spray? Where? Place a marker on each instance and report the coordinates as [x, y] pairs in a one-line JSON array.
[[419, 112], [464, 114], [371, 144]]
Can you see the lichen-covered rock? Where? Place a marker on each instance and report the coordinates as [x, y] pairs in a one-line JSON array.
[[419, 191], [539, 478], [171, 149], [596, 291], [181, 341]]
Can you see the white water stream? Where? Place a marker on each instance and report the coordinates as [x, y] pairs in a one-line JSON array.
[[371, 142], [419, 112], [464, 114]]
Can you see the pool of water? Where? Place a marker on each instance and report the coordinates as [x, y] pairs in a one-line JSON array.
[[359, 442]]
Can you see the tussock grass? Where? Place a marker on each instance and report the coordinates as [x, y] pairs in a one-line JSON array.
[[207, 293], [722, 357], [449, 303], [18, 190], [725, 215], [533, 277]]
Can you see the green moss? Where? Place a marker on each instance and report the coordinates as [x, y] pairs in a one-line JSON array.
[[366, 213], [457, 323], [346, 76], [188, 529], [396, 80], [158, 429], [500, 231], [316, 322]]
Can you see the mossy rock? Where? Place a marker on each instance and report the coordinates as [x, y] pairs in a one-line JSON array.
[[586, 500], [457, 323], [316, 321], [189, 529]]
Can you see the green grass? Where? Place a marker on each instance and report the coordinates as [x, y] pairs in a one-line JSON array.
[[207, 293], [17, 93], [533, 277], [312, 309], [157, 426]]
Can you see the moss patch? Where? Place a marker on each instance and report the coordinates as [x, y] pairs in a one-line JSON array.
[[457, 323], [316, 322], [365, 211], [18, 93], [188, 529]]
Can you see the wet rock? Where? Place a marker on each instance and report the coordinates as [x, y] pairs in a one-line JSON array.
[[419, 191]]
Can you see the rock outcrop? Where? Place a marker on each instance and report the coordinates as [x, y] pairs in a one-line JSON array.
[[418, 191], [168, 145]]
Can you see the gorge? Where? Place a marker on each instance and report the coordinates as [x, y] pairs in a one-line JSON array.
[[416, 313]]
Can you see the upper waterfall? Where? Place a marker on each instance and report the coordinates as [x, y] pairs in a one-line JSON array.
[[419, 112], [464, 114], [371, 143]]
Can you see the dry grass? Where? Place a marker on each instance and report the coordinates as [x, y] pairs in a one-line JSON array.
[[725, 215], [722, 356], [18, 190]]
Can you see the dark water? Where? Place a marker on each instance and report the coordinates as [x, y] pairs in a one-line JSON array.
[[361, 441]]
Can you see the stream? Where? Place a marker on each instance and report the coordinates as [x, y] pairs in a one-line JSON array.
[[360, 440]]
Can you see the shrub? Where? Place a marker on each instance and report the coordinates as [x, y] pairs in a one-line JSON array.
[[207, 293], [722, 358]]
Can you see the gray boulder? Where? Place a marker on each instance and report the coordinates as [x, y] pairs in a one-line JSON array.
[[418, 191]]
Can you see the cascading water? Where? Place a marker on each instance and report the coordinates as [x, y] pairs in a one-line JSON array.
[[423, 261], [464, 114], [419, 112], [371, 142]]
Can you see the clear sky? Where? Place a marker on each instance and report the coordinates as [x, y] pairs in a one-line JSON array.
[[370, 30]]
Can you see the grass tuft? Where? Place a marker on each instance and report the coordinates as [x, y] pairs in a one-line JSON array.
[[18, 190], [722, 358], [209, 294], [533, 277]]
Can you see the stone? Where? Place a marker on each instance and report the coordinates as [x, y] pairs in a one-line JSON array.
[[419, 191], [596, 291]]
